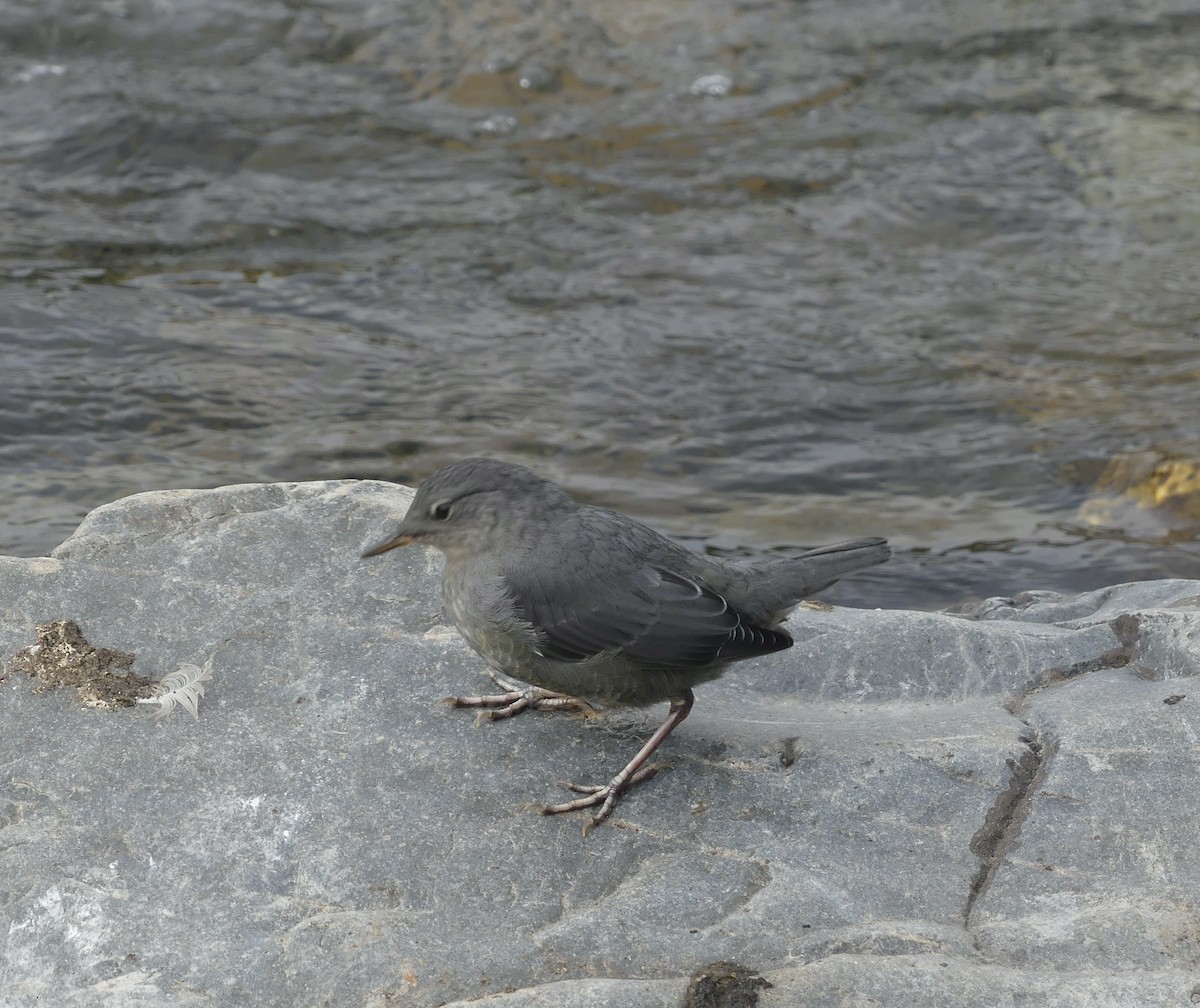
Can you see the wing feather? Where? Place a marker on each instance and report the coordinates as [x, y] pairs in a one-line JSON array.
[[654, 616]]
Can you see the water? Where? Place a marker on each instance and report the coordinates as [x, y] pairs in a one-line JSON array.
[[764, 275]]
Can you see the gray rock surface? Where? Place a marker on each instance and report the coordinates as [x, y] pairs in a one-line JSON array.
[[907, 808]]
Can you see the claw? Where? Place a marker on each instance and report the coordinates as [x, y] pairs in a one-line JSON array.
[[634, 772], [518, 697], [604, 795], [515, 701]]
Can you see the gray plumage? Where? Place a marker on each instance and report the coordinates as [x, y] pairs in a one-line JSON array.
[[588, 603]]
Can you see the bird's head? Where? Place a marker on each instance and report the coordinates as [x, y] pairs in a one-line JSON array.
[[474, 505]]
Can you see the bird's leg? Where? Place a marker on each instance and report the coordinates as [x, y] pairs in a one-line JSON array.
[[634, 772], [515, 698]]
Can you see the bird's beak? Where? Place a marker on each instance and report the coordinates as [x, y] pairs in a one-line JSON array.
[[389, 544]]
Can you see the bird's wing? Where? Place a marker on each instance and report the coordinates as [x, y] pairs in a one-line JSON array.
[[655, 616]]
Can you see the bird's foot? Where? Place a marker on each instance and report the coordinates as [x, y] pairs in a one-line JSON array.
[[516, 698], [604, 795]]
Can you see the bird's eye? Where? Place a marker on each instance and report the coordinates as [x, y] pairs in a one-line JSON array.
[[440, 511]]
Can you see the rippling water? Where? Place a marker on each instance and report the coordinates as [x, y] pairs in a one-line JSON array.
[[763, 274]]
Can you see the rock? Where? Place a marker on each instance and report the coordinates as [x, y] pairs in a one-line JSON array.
[[906, 808]]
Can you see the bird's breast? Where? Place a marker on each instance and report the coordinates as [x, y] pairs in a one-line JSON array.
[[477, 603]]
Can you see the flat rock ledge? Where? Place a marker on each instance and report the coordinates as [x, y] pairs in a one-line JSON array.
[[994, 807]]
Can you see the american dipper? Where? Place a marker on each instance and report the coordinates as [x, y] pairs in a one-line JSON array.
[[586, 604]]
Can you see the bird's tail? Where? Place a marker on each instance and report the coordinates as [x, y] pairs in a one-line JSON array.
[[795, 578], [841, 558]]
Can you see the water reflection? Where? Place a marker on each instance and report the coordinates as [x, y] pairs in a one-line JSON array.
[[925, 278]]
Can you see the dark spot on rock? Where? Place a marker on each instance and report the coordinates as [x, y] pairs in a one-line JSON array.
[[1126, 628], [787, 751], [723, 985], [1171, 701]]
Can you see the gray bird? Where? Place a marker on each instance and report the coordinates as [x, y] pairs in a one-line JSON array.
[[585, 604]]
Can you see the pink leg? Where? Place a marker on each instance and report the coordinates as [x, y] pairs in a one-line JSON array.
[[606, 795]]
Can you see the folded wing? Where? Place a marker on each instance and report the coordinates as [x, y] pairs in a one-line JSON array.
[[655, 616]]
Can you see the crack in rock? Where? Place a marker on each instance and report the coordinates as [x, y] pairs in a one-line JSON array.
[[1116, 657], [1125, 628], [997, 837]]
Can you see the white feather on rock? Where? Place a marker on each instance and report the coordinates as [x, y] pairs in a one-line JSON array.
[[182, 688]]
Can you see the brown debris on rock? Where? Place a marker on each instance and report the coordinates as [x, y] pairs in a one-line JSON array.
[[62, 658]]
